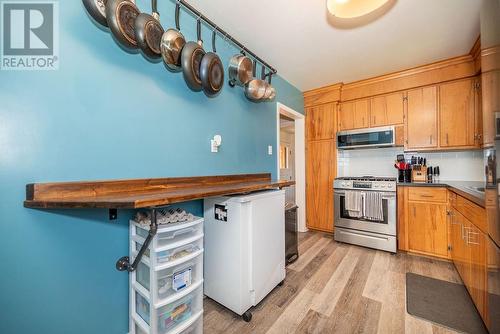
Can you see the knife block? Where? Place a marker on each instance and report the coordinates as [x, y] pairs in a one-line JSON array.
[[419, 174]]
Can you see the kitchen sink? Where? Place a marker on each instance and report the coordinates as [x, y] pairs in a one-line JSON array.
[[477, 189]]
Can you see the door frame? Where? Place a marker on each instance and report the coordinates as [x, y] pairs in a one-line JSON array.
[[300, 159]]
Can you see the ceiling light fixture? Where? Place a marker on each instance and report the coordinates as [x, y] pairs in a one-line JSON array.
[[349, 9]]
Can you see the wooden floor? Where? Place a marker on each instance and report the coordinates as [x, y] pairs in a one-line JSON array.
[[337, 288]]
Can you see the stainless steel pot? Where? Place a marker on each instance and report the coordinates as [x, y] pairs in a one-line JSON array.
[[255, 89], [148, 32], [172, 43], [121, 16], [240, 70], [97, 10]]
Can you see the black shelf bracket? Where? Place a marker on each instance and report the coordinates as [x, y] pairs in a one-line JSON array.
[[113, 214], [123, 264]]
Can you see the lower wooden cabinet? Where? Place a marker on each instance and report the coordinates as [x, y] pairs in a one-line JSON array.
[[320, 174], [427, 228], [422, 225], [468, 252]]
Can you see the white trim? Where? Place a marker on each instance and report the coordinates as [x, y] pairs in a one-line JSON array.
[[300, 159]]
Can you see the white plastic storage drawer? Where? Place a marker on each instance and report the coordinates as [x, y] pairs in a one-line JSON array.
[[172, 277], [174, 314], [172, 252], [192, 326], [171, 233]]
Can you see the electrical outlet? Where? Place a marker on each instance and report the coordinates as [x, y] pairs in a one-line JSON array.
[[270, 150]]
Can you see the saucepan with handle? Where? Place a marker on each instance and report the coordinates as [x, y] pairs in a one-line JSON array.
[[172, 43], [255, 89], [240, 70]]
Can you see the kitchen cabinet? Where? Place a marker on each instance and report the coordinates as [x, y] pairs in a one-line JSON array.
[[459, 114], [422, 118], [469, 253], [354, 115], [387, 110], [427, 228], [490, 90], [320, 122], [320, 173], [422, 220]]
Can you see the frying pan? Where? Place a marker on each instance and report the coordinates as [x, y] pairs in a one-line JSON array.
[[255, 89], [120, 16], [148, 32], [212, 72], [191, 56], [172, 43], [97, 9], [240, 70]]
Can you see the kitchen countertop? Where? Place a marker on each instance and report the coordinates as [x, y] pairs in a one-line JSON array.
[[144, 193], [462, 188]]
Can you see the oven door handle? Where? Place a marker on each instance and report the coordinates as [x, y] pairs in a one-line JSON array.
[[385, 195], [363, 234]]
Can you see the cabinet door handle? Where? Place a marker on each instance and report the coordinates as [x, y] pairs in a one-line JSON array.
[[426, 196], [447, 140], [414, 212], [374, 119], [430, 139], [468, 240]]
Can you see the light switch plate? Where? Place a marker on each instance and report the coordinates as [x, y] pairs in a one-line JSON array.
[[270, 150]]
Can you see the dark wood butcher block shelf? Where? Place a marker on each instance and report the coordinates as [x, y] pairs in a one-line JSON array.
[[143, 193]]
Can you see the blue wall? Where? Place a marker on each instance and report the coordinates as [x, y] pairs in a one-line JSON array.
[[105, 114]]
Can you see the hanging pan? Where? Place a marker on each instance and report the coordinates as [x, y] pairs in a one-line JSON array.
[[267, 94], [240, 70], [97, 9], [172, 43], [255, 89], [212, 71], [272, 95], [191, 56], [148, 32], [121, 15]]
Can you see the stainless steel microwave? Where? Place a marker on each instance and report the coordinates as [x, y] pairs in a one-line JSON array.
[[366, 138]]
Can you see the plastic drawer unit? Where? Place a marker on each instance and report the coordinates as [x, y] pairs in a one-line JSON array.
[[166, 290]]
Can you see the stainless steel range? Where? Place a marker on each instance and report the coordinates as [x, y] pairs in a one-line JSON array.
[[362, 227]]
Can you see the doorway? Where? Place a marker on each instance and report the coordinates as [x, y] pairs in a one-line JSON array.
[[291, 157]]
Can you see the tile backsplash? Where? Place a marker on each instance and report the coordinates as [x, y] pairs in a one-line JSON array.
[[454, 166]]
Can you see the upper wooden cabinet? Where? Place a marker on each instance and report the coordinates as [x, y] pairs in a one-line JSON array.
[[387, 110], [354, 115], [422, 118], [490, 86], [320, 122], [458, 111]]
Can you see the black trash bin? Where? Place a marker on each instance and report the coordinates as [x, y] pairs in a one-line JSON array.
[[291, 233]]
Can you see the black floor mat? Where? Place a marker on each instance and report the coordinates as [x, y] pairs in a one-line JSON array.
[[445, 303]]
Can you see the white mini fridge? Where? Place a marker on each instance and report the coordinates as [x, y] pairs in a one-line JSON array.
[[244, 248]]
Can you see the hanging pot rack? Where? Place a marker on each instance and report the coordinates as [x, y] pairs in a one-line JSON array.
[[197, 14]]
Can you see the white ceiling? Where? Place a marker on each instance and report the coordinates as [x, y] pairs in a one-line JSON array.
[[295, 36]]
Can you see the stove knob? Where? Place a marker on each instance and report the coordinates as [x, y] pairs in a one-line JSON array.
[[383, 185], [377, 185]]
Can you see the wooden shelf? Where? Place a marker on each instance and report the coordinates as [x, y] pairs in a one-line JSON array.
[[143, 193]]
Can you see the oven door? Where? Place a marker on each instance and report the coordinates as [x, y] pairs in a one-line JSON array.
[[387, 226]]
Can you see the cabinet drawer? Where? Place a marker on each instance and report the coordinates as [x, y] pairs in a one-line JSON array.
[[452, 198], [427, 194], [473, 212]]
